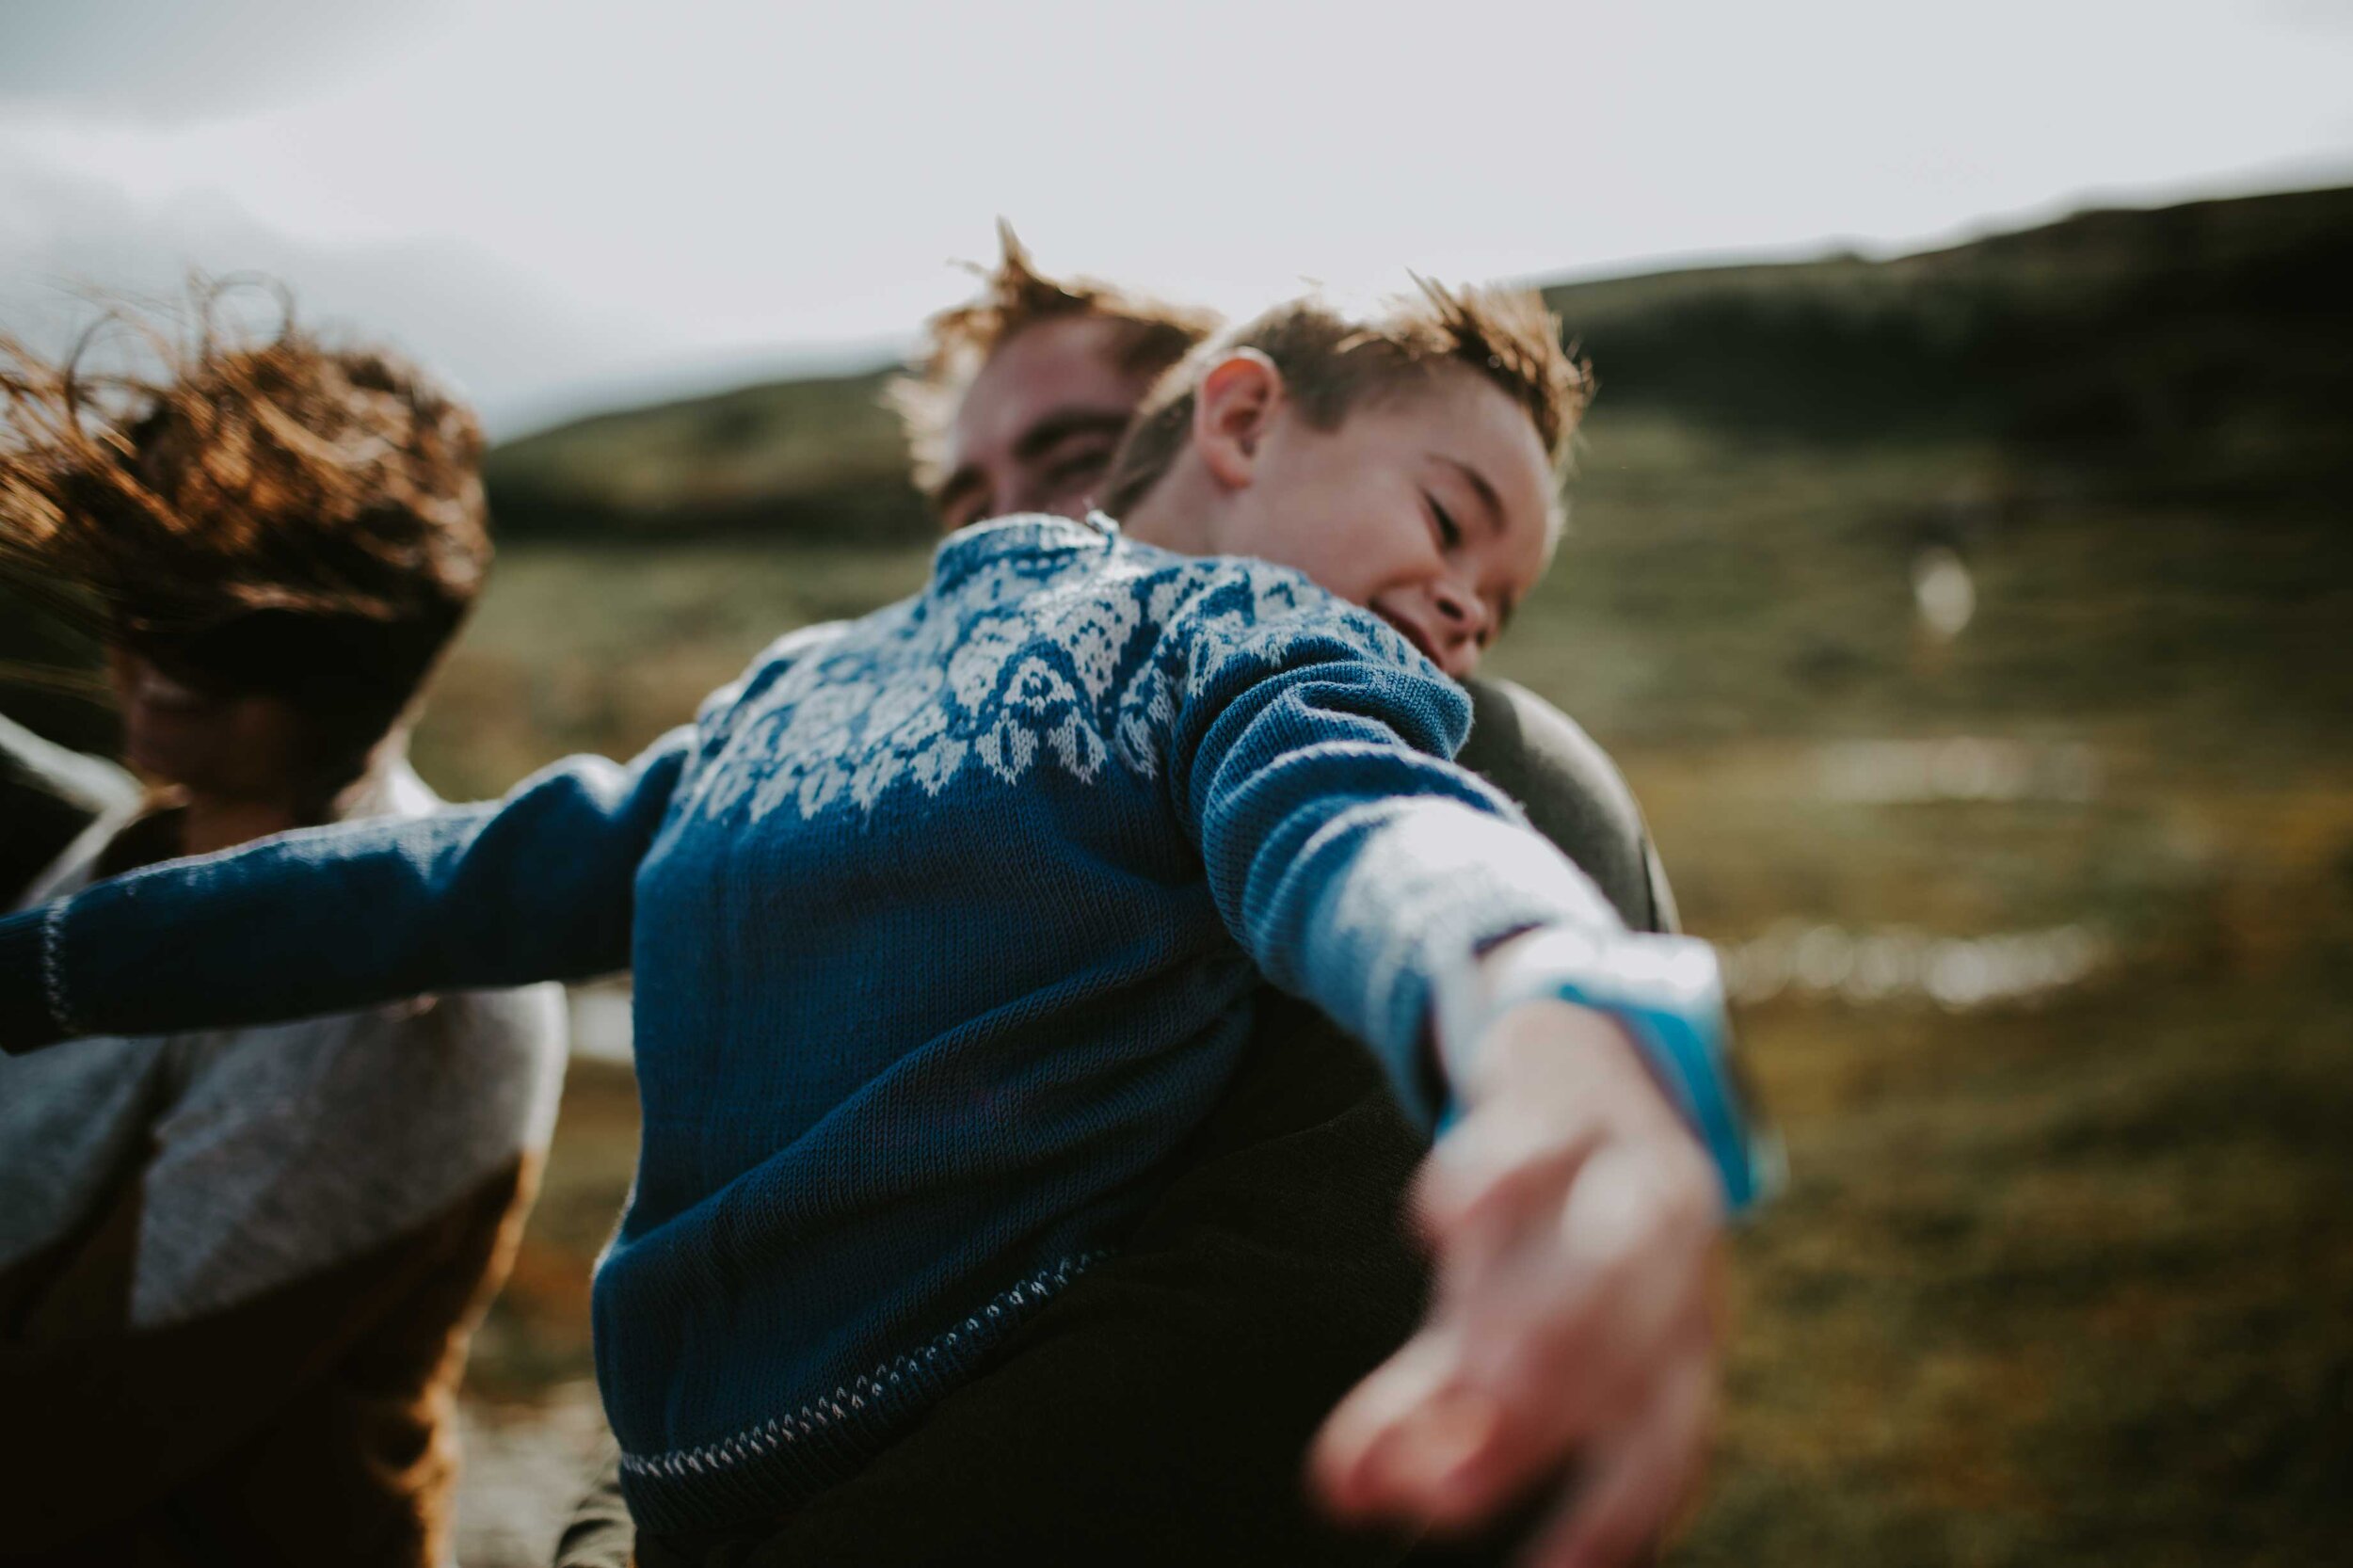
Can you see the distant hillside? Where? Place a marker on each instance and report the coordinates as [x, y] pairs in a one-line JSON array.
[[2109, 334], [2197, 357], [818, 458], [2214, 339]]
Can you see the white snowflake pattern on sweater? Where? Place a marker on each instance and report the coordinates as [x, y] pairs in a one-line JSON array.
[[1074, 656]]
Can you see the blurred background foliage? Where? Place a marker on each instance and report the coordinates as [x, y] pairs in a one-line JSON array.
[[1973, 627]]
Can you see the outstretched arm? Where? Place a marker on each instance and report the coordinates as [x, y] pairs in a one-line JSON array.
[[1572, 1213], [1361, 868], [1573, 794], [538, 886]]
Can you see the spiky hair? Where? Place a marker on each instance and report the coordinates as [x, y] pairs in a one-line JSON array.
[[1332, 361], [1014, 296]]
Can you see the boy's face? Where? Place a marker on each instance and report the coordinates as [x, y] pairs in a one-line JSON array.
[[1430, 505], [1038, 425]]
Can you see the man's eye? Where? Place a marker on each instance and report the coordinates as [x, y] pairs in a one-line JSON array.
[[1450, 536], [1084, 463], [962, 501]]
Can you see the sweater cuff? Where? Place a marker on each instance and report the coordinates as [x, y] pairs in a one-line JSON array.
[[1667, 992], [1470, 878], [29, 1015]]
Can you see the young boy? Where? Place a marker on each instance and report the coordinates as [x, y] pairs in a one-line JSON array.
[[1017, 402], [934, 915]]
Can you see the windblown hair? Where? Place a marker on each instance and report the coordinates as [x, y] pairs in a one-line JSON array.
[[1331, 363], [1152, 335], [264, 512]]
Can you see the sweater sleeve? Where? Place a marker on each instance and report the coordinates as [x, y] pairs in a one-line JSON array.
[[1352, 858], [1359, 867], [536, 886]]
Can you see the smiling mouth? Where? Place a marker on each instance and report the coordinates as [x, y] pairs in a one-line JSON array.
[[1413, 634]]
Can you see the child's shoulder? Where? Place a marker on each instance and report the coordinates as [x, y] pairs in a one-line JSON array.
[[1048, 561], [1212, 608], [1094, 589], [769, 663]]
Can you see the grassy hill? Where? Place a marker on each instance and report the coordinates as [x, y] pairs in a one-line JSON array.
[[2116, 334], [2208, 338], [2038, 928], [2199, 352], [2064, 1274], [815, 459]]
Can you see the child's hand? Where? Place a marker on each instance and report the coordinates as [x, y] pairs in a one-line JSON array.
[[1573, 1340]]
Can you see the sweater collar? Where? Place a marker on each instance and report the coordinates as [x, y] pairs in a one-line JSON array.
[[1023, 534]]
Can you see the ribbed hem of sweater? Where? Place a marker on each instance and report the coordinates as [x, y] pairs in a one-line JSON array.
[[763, 1472]]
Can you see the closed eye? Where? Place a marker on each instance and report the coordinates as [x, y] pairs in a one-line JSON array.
[[963, 499], [1450, 532], [1086, 463]]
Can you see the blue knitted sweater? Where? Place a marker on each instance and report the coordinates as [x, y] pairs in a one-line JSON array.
[[945, 923]]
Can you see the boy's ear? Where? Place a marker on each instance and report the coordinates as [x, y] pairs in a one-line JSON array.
[[1231, 411]]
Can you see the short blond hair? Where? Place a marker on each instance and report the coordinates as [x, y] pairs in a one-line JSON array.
[[1154, 334], [1330, 363]]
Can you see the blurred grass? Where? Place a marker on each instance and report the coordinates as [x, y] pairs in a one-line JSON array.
[[2063, 1279], [2067, 1280]]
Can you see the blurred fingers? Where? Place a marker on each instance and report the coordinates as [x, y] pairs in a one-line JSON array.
[[1557, 1342], [1364, 1460], [1637, 1484], [1504, 1167]]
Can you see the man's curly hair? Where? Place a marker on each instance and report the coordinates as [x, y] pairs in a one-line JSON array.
[[265, 510], [1330, 363], [1154, 334]]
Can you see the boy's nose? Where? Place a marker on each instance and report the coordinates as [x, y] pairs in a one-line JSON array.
[[1462, 615]]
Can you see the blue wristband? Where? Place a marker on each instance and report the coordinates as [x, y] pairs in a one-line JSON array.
[[1667, 992]]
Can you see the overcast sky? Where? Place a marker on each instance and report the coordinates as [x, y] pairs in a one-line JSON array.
[[562, 203]]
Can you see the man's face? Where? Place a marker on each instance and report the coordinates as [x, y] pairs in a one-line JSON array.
[[1430, 507], [1039, 424]]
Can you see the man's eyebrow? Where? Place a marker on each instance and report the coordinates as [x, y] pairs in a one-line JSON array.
[[1477, 481], [1062, 423]]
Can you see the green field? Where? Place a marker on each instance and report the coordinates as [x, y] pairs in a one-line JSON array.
[[2067, 1275], [2041, 928]]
